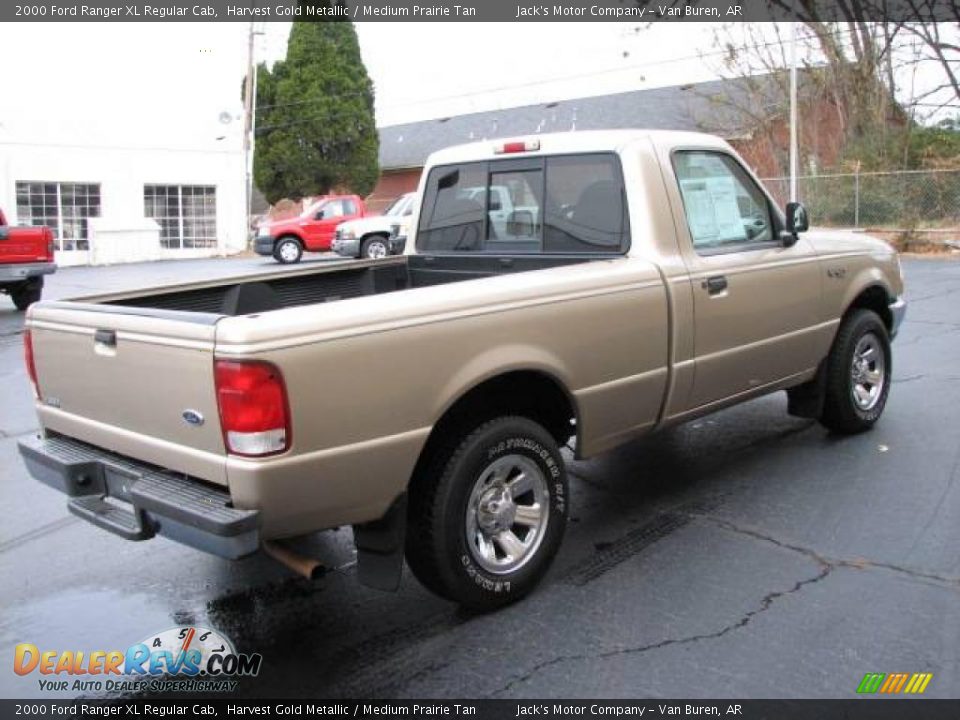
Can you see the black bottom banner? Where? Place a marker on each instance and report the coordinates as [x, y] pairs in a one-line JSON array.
[[872, 709]]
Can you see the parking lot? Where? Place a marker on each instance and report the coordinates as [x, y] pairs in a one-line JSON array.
[[746, 554]]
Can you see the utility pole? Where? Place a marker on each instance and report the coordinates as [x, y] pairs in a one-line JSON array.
[[248, 108], [793, 111], [252, 144], [250, 116]]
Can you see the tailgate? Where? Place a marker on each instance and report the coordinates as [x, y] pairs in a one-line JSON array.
[[23, 245], [136, 382]]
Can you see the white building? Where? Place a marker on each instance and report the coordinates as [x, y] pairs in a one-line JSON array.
[[109, 204], [139, 155]]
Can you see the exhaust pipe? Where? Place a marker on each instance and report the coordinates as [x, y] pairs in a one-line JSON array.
[[307, 567]]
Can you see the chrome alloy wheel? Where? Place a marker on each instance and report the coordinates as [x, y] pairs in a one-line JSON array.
[[289, 251], [377, 249], [867, 372], [507, 514]]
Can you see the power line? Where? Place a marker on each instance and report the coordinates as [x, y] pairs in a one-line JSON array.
[[319, 115], [562, 78]]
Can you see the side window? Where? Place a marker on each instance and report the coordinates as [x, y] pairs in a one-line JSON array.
[[453, 209], [724, 207], [333, 209], [584, 209], [349, 207]]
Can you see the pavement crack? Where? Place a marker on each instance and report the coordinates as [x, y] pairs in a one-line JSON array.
[[36, 533], [916, 340], [832, 563], [765, 604], [826, 564], [909, 378], [934, 322], [938, 506]]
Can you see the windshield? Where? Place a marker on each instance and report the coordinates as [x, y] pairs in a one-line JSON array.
[[311, 209], [397, 206]]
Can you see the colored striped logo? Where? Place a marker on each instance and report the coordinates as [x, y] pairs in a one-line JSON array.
[[895, 683]]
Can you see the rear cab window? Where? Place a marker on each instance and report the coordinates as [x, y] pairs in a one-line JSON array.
[[562, 204]]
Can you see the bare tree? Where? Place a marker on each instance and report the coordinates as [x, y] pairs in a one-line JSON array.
[[939, 48], [850, 69]]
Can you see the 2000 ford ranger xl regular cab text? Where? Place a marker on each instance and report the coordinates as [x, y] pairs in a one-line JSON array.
[[656, 281]]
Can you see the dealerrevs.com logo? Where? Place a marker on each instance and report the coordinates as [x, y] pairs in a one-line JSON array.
[[191, 659]]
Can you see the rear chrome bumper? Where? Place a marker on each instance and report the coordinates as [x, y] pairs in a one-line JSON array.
[[23, 271], [898, 309], [137, 501]]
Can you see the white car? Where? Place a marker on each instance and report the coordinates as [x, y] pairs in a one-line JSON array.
[[370, 237]]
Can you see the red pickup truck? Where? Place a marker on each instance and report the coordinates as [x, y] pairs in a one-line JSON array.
[[26, 255], [312, 230]]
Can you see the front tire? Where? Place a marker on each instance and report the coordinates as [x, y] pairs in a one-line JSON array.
[[858, 374], [374, 248], [287, 251], [488, 516], [27, 293]]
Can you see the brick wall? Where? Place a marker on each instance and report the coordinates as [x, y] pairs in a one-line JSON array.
[[390, 186], [819, 136]]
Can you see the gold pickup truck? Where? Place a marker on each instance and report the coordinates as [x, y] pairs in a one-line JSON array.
[[641, 279]]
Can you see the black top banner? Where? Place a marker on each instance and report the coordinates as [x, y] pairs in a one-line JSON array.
[[483, 10]]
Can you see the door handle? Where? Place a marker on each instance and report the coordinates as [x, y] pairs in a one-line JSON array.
[[715, 285], [106, 337]]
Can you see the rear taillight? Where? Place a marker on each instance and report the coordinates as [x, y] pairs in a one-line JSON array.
[[50, 245], [254, 412], [28, 361]]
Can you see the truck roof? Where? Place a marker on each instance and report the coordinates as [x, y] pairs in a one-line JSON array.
[[570, 142]]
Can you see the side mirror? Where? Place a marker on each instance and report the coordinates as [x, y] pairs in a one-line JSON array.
[[520, 224], [797, 220], [319, 215]]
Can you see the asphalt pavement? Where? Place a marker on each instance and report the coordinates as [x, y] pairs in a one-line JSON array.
[[744, 555]]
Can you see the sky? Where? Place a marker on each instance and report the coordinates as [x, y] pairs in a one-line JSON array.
[[120, 83], [178, 84]]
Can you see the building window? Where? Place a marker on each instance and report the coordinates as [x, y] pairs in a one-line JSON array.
[[63, 207], [187, 214]]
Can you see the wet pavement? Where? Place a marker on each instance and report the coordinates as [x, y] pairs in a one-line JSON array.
[[747, 554]]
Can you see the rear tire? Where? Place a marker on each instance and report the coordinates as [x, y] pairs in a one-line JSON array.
[[487, 518], [27, 293], [858, 374], [288, 250]]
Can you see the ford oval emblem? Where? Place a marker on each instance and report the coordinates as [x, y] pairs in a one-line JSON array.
[[193, 417]]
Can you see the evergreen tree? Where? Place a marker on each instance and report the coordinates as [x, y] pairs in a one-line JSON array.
[[315, 120]]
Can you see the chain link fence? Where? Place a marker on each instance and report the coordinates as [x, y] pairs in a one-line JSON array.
[[911, 199]]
